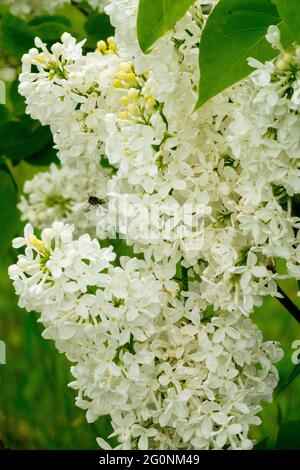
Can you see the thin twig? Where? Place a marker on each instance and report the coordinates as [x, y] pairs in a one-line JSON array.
[[82, 10], [289, 304]]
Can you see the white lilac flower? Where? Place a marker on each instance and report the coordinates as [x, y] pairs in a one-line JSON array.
[[166, 382], [67, 93], [61, 194], [296, 353], [163, 342]]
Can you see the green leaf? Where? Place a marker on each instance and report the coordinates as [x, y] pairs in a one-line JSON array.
[[4, 114], [19, 140], [287, 382], [8, 211], [289, 11], [98, 27], [51, 32], [156, 17], [17, 100], [44, 157], [289, 436], [234, 31], [50, 19], [15, 35], [262, 445], [77, 18]]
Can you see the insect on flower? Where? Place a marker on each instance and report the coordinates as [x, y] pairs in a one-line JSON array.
[[94, 201]]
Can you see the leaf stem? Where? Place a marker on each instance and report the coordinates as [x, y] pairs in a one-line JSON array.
[[82, 10], [288, 304]]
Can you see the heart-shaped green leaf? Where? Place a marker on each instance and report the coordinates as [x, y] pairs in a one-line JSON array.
[[156, 17], [289, 11], [235, 30]]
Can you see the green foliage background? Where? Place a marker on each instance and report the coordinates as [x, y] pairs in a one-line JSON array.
[[37, 409]]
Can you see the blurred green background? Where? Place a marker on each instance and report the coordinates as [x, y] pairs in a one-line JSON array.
[[37, 408]]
